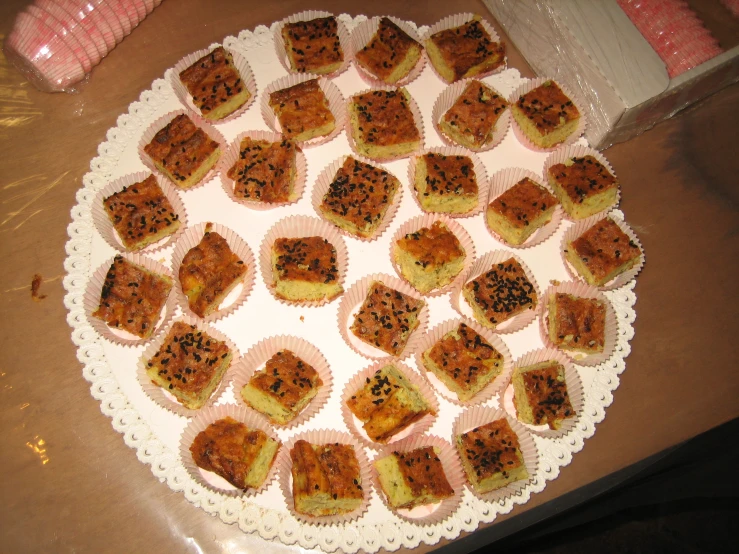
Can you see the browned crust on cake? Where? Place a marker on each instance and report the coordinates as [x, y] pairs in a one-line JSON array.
[[386, 50], [547, 395], [286, 378], [449, 175], [468, 46], [212, 80], [313, 45], [385, 118], [301, 108], [491, 448], [309, 259], [523, 203], [579, 323], [547, 107], [604, 248], [132, 298], [432, 246], [265, 171], [586, 177], [423, 473], [475, 113]]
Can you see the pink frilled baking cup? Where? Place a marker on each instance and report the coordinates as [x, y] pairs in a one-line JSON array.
[[506, 179], [333, 96], [480, 415], [301, 226], [360, 379], [361, 36], [483, 265], [258, 355], [58, 28], [565, 153], [162, 122], [574, 231], [415, 111], [79, 19], [457, 20], [310, 15], [352, 301], [321, 437], [95, 287], [424, 222], [327, 176], [163, 398], [73, 28], [189, 240], [447, 99], [231, 156], [209, 479], [428, 514], [492, 388], [581, 290], [527, 87], [92, 14], [574, 391], [478, 167], [105, 226], [184, 96]]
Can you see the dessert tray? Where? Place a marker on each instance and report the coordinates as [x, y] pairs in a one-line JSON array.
[[155, 432]]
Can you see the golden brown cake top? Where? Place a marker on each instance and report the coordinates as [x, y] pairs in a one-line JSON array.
[[582, 318], [311, 259], [139, 211], [450, 175], [423, 472], [605, 247], [132, 298], [466, 358], [360, 193], [386, 50], [385, 317], [583, 178], [208, 269], [286, 378], [468, 45], [328, 468], [181, 147], [547, 394], [385, 117], [523, 203], [188, 359], [476, 111], [548, 107], [502, 290], [301, 107], [432, 246], [228, 448], [265, 171], [376, 390], [313, 44], [492, 448], [212, 80]]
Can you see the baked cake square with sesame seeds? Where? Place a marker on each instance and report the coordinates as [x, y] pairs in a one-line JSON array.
[[540, 394], [305, 269], [546, 115], [265, 171], [303, 111], [313, 46], [520, 211], [390, 54], [472, 119], [576, 324], [583, 185], [446, 184]]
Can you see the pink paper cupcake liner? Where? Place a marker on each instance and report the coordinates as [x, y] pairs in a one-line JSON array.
[[74, 28], [209, 479], [426, 221], [61, 31], [258, 355], [492, 388], [482, 265], [119, 12], [104, 13], [320, 437], [88, 26], [189, 240], [231, 156], [129, 9], [429, 514], [299, 226], [352, 301], [358, 381], [90, 13]]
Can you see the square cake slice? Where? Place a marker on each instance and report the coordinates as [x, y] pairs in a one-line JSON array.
[[265, 171], [391, 54], [577, 324], [305, 269], [303, 111], [190, 364], [209, 272], [141, 214], [546, 115], [215, 84], [358, 198], [501, 293], [603, 252], [382, 123], [326, 479], [464, 51], [584, 186], [446, 184], [491, 456], [540, 394], [183, 152], [472, 118], [283, 388], [413, 478], [429, 258], [464, 361], [520, 211], [240, 455], [387, 318], [313, 46], [132, 298]]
